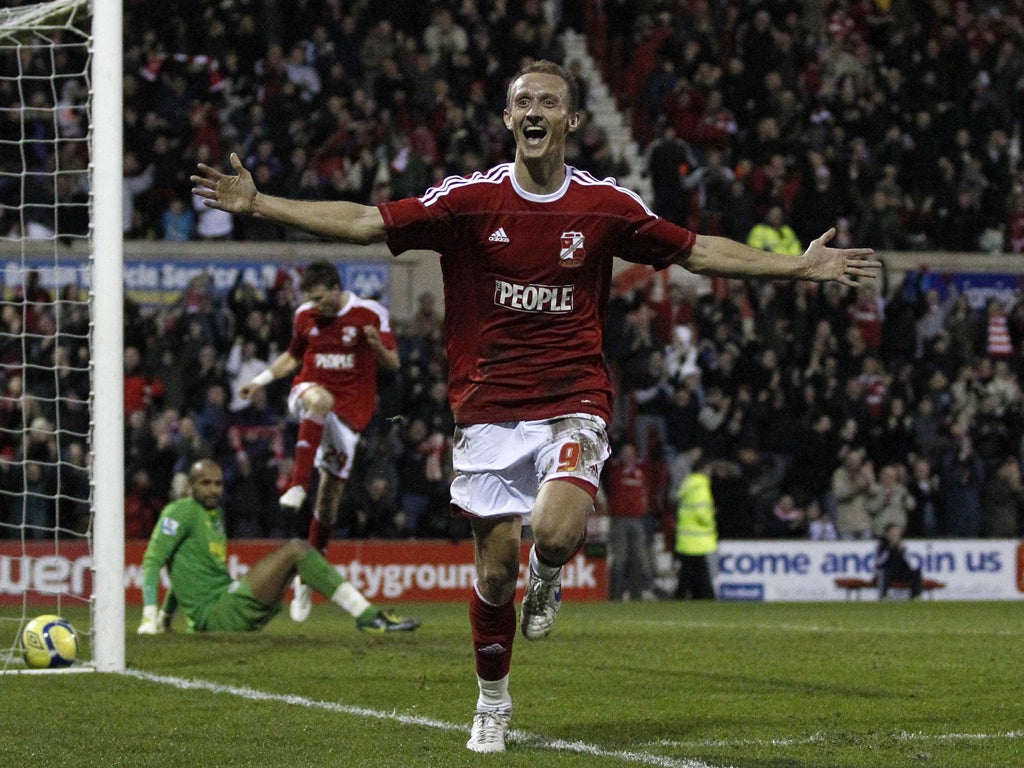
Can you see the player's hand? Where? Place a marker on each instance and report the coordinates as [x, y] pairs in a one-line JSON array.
[[153, 621], [245, 391], [843, 265], [373, 336], [226, 192]]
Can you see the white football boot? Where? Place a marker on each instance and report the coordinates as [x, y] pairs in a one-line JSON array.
[[293, 498], [541, 604], [490, 727], [302, 601]]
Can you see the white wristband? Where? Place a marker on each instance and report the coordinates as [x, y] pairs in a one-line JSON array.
[[263, 378]]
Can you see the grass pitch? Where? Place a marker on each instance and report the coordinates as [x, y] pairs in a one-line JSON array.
[[673, 685]]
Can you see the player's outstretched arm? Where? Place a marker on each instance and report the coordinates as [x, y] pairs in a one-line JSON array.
[[283, 365], [386, 358], [236, 193], [722, 257]]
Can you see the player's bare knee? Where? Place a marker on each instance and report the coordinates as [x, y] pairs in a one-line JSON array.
[[556, 545], [497, 585], [318, 401], [554, 552], [298, 548]]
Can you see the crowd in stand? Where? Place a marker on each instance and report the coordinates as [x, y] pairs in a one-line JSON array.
[[183, 369], [816, 402], [347, 100], [183, 366], [897, 122], [900, 121], [813, 402]]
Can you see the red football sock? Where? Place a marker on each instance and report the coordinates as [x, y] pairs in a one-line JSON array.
[[311, 430], [494, 629], [319, 533]]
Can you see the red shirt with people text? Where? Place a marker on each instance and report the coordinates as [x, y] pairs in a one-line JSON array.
[[526, 281], [335, 354]]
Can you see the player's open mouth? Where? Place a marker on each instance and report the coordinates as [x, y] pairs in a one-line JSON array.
[[534, 135]]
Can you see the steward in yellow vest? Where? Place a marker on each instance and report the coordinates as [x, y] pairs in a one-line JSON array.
[[696, 536], [774, 235]]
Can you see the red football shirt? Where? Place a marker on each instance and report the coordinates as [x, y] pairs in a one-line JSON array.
[[334, 353], [627, 490], [526, 281]]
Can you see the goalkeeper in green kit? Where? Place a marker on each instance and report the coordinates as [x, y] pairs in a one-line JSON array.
[[189, 538]]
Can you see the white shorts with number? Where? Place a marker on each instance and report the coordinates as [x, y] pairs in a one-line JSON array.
[[499, 468], [337, 447]]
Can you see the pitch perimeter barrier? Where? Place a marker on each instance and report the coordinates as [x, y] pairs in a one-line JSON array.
[[439, 571], [974, 569], [406, 571]]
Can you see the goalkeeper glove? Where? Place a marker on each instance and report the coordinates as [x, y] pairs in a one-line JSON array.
[[154, 621]]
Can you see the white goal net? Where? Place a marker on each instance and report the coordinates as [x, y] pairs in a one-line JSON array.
[[61, 426]]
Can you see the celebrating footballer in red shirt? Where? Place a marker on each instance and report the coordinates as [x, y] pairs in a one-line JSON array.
[[526, 251], [339, 340]]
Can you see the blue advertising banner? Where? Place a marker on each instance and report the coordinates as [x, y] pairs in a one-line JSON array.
[[153, 283], [978, 287], [797, 570]]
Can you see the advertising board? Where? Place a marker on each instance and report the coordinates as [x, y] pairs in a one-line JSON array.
[[962, 569], [437, 571], [384, 571]]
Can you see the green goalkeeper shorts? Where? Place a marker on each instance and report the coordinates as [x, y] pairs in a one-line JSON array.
[[235, 611]]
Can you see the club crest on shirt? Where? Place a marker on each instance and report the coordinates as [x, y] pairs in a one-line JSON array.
[[572, 252]]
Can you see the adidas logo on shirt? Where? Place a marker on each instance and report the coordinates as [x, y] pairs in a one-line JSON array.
[[499, 236]]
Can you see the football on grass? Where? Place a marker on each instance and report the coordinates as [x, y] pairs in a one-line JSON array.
[[48, 642]]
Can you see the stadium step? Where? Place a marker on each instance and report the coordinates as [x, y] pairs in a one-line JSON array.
[[608, 117]]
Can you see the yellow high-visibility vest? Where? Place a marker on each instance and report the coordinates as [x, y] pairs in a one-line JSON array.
[[696, 531], [782, 240]]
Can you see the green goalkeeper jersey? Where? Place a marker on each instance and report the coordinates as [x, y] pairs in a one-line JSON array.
[[191, 541]]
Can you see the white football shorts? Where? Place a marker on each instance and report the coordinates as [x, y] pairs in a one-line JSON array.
[[337, 449], [499, 468]]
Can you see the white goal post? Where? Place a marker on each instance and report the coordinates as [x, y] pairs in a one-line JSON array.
[[108, 350], [60, 207]]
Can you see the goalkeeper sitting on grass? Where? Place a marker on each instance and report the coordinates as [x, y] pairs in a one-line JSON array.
[[189, 538]]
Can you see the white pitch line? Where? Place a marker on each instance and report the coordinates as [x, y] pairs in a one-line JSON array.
[[819, 629], [520, 737], [814, 738], [822, 738], [918, 736]]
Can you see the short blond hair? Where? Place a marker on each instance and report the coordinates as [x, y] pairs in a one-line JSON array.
[[549, 68]]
